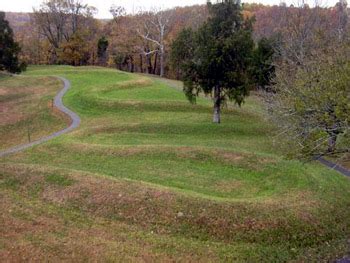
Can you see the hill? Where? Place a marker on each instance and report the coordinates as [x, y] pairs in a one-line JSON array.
[[18, 21], [147, 177]]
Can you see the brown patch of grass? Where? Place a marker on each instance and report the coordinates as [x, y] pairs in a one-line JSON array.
[[26, 106], [252, 161], [100, 215], [131, 84], [157, 208], [180, 152], [80, 222]]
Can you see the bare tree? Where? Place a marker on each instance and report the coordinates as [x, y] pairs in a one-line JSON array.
[[311, 100], [117, 12], [342, 14], [154, 29]]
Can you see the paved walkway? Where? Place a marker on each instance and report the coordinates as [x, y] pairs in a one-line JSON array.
[[335, 166], [59, 104]]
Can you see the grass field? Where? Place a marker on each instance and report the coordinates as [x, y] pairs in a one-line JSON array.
[[148, 177]]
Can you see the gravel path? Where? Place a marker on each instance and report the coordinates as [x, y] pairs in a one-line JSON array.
[[59, 104]]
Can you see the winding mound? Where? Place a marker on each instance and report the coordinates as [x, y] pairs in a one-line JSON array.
[[148, 177]]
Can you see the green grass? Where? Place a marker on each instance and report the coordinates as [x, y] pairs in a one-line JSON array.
[[60, 180], [143, 154]]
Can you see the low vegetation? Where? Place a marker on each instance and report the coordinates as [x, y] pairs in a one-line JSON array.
[[147, 178]]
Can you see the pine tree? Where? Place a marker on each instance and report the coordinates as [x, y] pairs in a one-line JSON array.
[[102, 47], [221, 57], [263, 69], [9, 49]]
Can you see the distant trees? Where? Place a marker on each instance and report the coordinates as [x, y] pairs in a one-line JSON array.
[[63, 23], [141, 42], [55, 26], [9, 49], [123, 40], [220, 62], [75, 51]]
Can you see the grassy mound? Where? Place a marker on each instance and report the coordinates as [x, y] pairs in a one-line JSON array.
[[148, 177]]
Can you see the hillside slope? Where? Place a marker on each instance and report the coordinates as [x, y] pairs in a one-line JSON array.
[[148, 177]]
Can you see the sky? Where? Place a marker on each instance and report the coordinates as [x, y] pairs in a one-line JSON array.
[[131, 5]]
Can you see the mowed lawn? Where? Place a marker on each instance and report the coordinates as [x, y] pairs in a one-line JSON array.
[[148, 177]]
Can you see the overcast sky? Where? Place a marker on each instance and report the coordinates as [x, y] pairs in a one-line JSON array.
[[104, 5]]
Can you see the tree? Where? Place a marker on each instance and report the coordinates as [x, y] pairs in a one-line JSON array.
[[263, 69], [342, 17], [74, 52], [123, 40], [59, 20], [102, 47], [117, 12], [312, 107], [182, 50], [154, 29], [220, 63], [9, 49], [311, 102]]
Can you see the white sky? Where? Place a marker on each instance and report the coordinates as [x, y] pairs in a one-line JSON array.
[[104, 5]]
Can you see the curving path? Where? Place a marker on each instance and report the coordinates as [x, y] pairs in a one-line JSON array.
[[336, 167], [59, 104]]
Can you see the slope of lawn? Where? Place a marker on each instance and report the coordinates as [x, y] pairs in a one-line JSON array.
[[148, 177], [26, 111]]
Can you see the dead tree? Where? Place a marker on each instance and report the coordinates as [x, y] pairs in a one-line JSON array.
[[154, 29]]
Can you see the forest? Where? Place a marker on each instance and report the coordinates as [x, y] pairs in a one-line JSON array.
[[138, 42]]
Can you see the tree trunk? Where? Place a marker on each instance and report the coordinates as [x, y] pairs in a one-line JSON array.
[[332, 141], [149, 64], [141, 63], [155, 63], [217, 105], [162, 61], [131, 64]]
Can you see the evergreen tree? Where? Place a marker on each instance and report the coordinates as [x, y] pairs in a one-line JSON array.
[[182, 50], [9, 49], [102, 47], [221, 58], [263, 70]]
